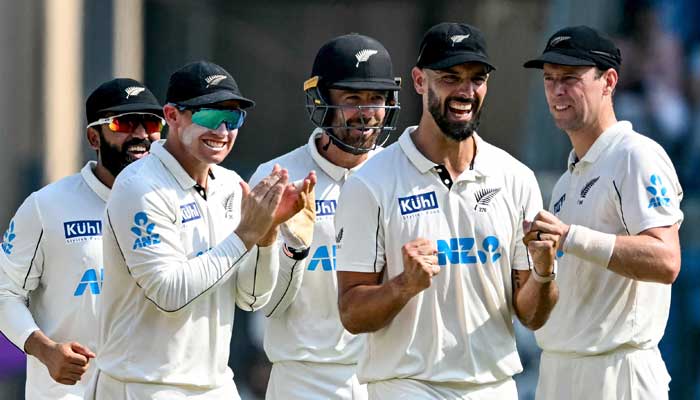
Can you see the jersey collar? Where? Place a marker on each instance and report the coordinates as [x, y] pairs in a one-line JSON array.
[[88, 174], [334, 171], [172, 165], [601, 144], [423, 164]]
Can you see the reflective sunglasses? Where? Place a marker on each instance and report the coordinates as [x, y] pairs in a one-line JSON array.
[[212, 118], [129, 122]]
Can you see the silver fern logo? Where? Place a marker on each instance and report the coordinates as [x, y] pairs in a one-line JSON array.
[[133, 91], [458, 38], [558, 40], [484, 197], [586, 189], [229, 206], [364, 55], [213, 80]]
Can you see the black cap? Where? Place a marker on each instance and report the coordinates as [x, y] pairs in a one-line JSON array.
[[579, 46], [203, 83], [449, 43], [354, 61], [120, 95]]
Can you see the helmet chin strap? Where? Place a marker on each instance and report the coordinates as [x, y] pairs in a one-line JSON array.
[[342, 146]]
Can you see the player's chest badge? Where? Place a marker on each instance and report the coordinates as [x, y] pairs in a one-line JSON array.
[[484, 197]]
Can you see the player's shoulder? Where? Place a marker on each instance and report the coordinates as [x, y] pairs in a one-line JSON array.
[[142, 177], [635, 144], [67, 186], [503, 162], [224, 174], [382, 165], [299, 159]]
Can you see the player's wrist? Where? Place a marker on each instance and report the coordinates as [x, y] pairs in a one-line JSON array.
[[590, 245], [544, 274]]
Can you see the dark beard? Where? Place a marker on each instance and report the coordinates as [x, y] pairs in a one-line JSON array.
[[457, 131], [115, 159]]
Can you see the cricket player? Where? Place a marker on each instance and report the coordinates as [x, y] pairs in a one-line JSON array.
[[185, 242], [617, 210], [431, 259], [352, 98], [51, 260]]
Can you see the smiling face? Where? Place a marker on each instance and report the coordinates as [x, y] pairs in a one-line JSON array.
[[119, 149], [575, 95], [206, 146], [370, 114], [454, 97]]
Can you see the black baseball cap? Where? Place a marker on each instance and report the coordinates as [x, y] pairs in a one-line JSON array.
[[202, 83], [354, 61], [120, 95], [579, 46], [450, 43]]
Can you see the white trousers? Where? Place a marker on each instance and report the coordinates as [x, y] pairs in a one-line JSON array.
[[625, 374], [411, 389], [299, 380]]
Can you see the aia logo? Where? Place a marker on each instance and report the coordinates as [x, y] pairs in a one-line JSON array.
[[462, 251], [90, 282], [323, 257], [144, 232]]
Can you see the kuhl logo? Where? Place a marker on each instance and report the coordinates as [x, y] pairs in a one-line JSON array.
[[144, 232], [324, 257], [416, 203], [658, 193], [325, 207], [586, 188], [559, 204], [484, 197], [77, 231], [89, 280], [7, 238], [190, 212], [459, 251]]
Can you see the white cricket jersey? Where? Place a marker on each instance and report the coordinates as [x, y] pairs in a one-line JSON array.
[[623, 185], [305, 323], [176, 273], [460, 329], [51, 273]]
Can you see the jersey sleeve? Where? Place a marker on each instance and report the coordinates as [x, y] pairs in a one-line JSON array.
[[359, 229], [530, 204], [648, 190], [256, 276], [145, 227], [21, 266]]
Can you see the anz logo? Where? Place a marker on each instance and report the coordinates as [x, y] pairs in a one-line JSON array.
[[80, 231], [90, 281], [144, 232], [658, 193], [323, 256], [417, 203], [462, 251], [7, 238], [325, 207]]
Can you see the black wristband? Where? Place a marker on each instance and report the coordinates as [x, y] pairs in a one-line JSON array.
[[295, 254]]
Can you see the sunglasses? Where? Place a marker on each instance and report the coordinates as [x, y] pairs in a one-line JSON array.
[[129, 122], [212, 118]]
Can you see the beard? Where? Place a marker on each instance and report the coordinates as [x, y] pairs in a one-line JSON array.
[[362, 141], [457, 131], [114, 158]]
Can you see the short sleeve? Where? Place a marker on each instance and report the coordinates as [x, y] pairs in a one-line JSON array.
[[359, 229], [648, 189]]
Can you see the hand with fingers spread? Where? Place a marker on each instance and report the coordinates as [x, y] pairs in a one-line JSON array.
[[259, 205], [542, 241], [66, 362], [299, 201], [420, 265]]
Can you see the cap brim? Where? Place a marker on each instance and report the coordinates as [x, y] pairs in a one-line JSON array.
[[217, 97], [559, 59], [366, 85], [459, 59], [148, 107]]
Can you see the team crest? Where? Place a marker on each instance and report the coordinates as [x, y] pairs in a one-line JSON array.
[[586, 189], [483, 198]]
